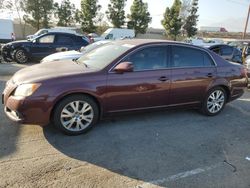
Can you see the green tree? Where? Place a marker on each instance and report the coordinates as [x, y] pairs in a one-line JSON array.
[[2, 4], [65, 13], [172, 21], [139, 17], [116, 13], [190, 25], [38, 12], [89, 11]]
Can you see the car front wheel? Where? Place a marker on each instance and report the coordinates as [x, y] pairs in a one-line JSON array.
[[214, 101], [76, 114], [20, 56]]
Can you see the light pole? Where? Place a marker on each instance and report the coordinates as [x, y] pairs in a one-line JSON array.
[[245, 31]]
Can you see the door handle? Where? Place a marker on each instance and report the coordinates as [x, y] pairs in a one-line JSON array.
[[163, 78], [210, 75]]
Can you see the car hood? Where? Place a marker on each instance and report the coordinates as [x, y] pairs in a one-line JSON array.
[[62, 55], [46, 71], [18, 42]]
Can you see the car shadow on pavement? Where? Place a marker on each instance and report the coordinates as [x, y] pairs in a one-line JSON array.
[[9, 131], [153, 145]]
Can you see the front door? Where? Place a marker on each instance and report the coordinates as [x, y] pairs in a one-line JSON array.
[[43, 46], [146, 87]]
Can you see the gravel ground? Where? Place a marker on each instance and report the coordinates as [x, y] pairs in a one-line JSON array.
[[159, 149]]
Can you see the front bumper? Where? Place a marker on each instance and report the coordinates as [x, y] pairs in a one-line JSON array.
[[7, 53], [27, 110]]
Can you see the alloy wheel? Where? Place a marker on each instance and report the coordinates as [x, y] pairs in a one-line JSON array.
[[77, 116], [215, 101], [21, 56]]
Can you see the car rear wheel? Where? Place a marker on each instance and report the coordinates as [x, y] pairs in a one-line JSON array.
[[76, 114], [20, 56], [214, 102]]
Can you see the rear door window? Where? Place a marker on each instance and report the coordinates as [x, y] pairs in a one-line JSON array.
[[190, 57], [64, 40]]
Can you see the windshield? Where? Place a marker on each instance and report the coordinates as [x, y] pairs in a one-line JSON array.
[[104, 55], [41, 31]]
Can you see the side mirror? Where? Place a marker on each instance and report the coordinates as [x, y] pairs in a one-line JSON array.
[[124, 67], [34, 41]]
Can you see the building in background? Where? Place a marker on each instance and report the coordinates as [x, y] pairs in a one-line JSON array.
[[212, 29], [153, 33]]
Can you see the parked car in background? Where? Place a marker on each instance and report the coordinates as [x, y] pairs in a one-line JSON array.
[[73, 54], [203, 43], [116, 34], [71, 30], [247, 63], [6, 30], [122, 76], [227, 52], [42, 46], [94, 37]]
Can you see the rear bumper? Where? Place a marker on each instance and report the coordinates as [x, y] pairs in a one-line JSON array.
[[34, 110]]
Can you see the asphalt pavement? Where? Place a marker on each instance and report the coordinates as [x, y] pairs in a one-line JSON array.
[[179, 148]]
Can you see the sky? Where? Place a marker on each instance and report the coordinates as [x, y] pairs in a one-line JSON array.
[[230, 14]]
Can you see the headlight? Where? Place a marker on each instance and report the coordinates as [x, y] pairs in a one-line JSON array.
[[25, 90]]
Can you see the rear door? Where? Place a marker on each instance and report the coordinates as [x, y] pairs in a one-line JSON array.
[[63, 42], [192, 72]]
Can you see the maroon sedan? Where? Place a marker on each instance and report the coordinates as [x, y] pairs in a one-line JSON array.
[[122, 76]]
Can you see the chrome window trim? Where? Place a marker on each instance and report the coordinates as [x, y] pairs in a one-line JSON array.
[[198, 48], [167, 68]]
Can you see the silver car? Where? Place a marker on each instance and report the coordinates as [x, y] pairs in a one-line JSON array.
[[71, 55]]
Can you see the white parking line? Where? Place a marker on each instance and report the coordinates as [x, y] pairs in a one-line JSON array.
[[248, 100], [248, 158], [178, 176]]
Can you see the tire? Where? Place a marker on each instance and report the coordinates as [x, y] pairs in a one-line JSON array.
[[21, 56], [212, 107], [72, 120]]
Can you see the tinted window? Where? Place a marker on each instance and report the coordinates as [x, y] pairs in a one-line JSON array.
[[226, 50], [237, 52], [187, 57], [216, 49], [63, 39], [80, 41], [149, 58], [109, 36], [208, 60], [47, 39]]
